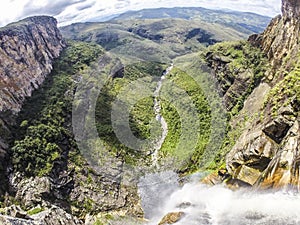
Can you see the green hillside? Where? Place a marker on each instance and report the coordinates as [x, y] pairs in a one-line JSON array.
[[167, 33]]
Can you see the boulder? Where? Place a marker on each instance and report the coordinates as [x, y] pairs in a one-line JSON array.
[[171, 218]]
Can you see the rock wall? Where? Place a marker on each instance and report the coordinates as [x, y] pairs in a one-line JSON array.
[[281, 38], [266, 155], [27, 50], [291, 9]]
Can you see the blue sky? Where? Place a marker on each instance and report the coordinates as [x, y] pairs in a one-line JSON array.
[[71, 11]]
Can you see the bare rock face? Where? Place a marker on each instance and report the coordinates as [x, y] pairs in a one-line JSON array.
[[51, 216], [233, 81], [4, 220], [283, 170], [27, 50], [280, 40], [290, 8]]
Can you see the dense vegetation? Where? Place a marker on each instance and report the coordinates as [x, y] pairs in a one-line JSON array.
[[194, 93], [141, 115], [43, 133], [236, 57]]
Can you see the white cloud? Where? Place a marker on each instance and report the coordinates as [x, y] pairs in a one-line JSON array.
[[71, 11], [10, 10]]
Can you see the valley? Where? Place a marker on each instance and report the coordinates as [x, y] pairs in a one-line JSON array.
[[117, 122]]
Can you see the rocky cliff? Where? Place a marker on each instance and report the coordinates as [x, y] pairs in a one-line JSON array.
[[27, 51], [266, 155], [28, 48], [280, 40], [41, 168]]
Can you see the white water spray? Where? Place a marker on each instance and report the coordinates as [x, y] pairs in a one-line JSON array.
[[217, 205]]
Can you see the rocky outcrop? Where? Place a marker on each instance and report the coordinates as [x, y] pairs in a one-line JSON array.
[[83, 194], [27, 50], [283, 170], [280, 40]]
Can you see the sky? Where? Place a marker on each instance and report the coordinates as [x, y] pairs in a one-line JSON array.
[[71, 11]]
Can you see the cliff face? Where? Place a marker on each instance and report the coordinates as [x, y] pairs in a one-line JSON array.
[[267, 155], [61, 187], [27, 50], [291, 9], [281, 38]]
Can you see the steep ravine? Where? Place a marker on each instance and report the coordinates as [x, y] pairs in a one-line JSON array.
[[263, 106]]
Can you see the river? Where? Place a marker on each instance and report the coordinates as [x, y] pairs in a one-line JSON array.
[[159, 117]]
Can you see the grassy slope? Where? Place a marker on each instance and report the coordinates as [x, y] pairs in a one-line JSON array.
[[195, 94], [43, 133], [141, 115]]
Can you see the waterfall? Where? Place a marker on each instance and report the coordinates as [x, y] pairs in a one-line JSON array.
[[159, 117], [200, 204], [216, 205]]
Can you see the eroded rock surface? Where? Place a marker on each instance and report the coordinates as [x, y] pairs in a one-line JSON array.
[[171, 218], [27, 51]]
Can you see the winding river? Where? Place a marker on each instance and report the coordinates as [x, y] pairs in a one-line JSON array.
[[159, 117]]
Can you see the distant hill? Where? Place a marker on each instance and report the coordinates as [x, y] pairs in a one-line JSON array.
[[165, 33], [241, 21]]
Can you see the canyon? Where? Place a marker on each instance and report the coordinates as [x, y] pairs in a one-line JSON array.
[[45, 178]]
